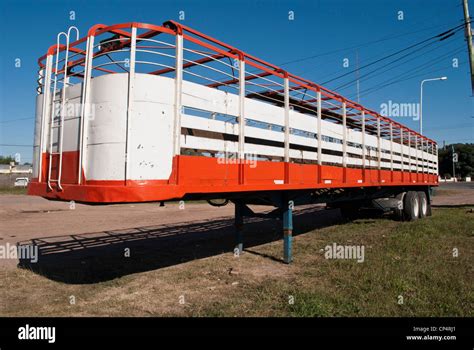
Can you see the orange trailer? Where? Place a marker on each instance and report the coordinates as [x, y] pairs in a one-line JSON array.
[[137, 112]]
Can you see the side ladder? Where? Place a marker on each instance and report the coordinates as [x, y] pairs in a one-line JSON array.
[[57, 109]]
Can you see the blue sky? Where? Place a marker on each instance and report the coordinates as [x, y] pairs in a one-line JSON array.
[[333, 30]]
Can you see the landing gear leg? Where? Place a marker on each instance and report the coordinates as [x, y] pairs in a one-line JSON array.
[[239, 225], [287, 212]]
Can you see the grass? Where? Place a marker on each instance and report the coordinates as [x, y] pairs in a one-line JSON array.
[[413, 260], [12, 190], [409, 260]]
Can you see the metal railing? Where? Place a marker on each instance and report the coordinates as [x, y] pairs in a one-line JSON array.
[[185, 54]]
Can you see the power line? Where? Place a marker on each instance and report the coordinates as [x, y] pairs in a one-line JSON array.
[[343, 69], [366, 76], [386, 38], [12, 145], [421, 67], [377, 88], [440, 37], [415, 70]]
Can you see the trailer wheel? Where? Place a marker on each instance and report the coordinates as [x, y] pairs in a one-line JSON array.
[[218, 202], [423, 204], [428, 201], [411, 206]]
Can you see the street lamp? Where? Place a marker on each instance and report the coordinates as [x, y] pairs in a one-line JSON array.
[[421, 100]]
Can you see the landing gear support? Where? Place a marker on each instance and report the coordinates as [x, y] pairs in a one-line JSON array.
[[284, 212]]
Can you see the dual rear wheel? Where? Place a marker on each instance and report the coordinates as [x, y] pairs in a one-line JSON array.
[[415, 205], [412, 205]]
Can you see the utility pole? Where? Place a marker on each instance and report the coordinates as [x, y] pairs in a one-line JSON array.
[[467, 22], [357, 76], [453, 158]]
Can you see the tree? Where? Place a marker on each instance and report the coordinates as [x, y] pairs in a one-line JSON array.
[[465, 164], [6, 160]]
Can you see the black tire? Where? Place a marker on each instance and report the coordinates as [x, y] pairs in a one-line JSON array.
[[423, 203], [411, 206], [428, 211], [398, 212], [218, 202]]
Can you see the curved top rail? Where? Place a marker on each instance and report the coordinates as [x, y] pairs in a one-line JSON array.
[[309, 84], [174, 28], [104, 28]]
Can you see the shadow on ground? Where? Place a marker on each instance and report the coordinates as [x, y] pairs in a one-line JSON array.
[[100, 256]]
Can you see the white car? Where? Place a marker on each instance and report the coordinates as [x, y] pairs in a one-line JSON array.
[[21, 182]]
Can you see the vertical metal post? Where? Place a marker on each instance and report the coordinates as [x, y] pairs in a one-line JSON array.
[[428, 158], [287, 118], [287, 211], [402, 156], [409, 154], [241, 155], [130, 101], [320, 135], [379, 151], [344, 138], [434, 159], [429, 161], [63, 103], [44, 112], [287, 128], [416, 155], [423, 156], [239, 224], [61, 114], [364, 149], [431, 158], [422, 160], [53, 109], [178, 94], [84, 104], [391, 151]]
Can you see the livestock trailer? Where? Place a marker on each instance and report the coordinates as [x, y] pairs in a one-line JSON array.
[[138, 112]]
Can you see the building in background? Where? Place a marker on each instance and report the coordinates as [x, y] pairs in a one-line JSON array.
[[10, 172]]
